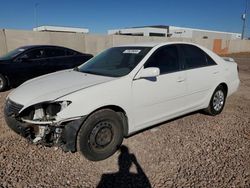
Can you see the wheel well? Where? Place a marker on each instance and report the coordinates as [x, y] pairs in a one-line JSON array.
[[6, 78], [224, 85], [121, 113], [8, 81]]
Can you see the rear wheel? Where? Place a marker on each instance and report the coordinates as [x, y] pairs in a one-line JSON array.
[[100, 135], [3, 83], [217, 101]]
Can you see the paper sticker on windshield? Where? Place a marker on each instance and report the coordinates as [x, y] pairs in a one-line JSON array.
[[21, 50], [132, 51]]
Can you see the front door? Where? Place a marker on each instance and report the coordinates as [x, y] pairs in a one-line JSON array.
[[30, 64], [163, 97]]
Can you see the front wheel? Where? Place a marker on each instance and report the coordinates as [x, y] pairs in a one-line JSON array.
[[100, 135], [217, 101], [3, 83]]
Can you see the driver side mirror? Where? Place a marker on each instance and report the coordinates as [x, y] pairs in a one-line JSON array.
[[150, 72]]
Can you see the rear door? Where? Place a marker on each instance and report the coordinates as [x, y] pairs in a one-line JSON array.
[[56, 59], [158, 98], [202, 73], [75, 59]]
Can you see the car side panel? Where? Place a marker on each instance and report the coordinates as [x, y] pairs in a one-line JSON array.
[[200, 81], [231, 77], [116, 92], [119, 93], [18, 72], [157, 99]]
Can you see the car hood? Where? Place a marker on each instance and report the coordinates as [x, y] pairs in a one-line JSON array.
[[53, 86]]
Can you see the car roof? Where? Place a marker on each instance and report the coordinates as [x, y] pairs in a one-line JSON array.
[[38, 46], [153, 44], [157, 45]]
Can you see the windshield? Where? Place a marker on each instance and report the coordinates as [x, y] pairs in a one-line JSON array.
[[115, 62], [12, 54]]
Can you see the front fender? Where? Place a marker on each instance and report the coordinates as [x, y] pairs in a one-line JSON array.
[[86, 101]]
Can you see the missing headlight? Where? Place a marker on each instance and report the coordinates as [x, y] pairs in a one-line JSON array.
[[52, 109], [44, 111]]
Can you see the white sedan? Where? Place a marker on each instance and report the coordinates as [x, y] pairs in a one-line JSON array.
[[119, 92]]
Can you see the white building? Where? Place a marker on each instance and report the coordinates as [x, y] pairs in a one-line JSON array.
[[140, 31], [61, 29], [175, 32]]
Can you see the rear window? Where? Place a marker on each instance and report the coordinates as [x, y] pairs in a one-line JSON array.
[[210, 61], [70, 52], [194, 57], [55, 52]]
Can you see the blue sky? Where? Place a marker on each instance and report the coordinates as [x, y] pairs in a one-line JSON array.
[[100, 15]]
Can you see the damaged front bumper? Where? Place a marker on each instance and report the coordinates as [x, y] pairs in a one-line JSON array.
[[63, 134]]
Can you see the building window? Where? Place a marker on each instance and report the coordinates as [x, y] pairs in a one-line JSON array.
[[157, 34]]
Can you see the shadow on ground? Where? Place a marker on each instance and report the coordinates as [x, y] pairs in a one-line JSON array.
[[125, 178]]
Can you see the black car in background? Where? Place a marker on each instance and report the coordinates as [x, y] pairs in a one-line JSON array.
[[28, 62]]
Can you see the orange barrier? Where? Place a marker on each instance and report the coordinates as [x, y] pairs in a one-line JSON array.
[[217, 47]]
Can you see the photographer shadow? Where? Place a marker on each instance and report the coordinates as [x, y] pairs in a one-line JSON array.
[[125, 178]]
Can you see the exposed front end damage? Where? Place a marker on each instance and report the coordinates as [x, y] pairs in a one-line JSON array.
[[40, 125]]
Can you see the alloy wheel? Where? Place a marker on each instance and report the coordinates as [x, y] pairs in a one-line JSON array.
[[218, 100]]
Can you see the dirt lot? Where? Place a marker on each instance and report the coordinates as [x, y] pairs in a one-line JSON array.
[[195, 150]]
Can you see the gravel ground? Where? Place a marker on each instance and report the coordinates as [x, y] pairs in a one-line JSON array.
[[193, 151]]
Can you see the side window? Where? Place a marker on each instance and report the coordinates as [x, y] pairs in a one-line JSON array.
[[210, 61], [70, 52], [166, 59], [35, 54], [193, 56], [55, 52]]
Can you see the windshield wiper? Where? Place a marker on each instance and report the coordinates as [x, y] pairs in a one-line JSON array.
[[88, 72], [76, 69], [92, 72]]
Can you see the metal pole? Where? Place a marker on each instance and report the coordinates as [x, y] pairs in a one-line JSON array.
[[35, 14], [244, 18]]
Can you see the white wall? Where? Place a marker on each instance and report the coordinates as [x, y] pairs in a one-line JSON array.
[[10, 39]]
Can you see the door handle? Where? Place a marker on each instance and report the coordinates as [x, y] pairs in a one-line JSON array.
[[181, 79], [216, 72]]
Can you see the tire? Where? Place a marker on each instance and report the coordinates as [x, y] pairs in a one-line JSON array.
[[217, 101], [3, 83], [100, 135]]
